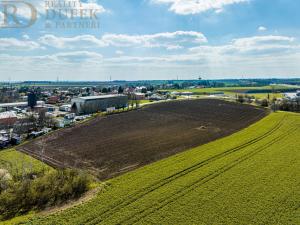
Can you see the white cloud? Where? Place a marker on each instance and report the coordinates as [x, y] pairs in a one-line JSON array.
[[1, 18], [262, 28], [219, 11], [91, 5], [252, 55], [7, 44], [81, 41], [167, 40], [262, 43], [174, 47], [26, 37], [61, 58], [78, 56], [188, 58], [186, 7], [251, 45], [264, 39], [118, 52]]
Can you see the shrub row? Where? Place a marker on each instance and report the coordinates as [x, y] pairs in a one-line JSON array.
[[51, 188]]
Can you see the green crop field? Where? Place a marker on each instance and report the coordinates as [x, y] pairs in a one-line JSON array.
[[251, 177], [257, 92], [18, 163], [265, 96]]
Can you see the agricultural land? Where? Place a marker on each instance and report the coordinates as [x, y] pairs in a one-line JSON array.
[[250, 177], [111, 145]]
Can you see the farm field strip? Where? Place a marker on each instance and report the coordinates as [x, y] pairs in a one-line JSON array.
[[154, 187], [163, 202], [136, 196], [258, 92], [142, 195], [143, 214], [111, 145], [166, 201]]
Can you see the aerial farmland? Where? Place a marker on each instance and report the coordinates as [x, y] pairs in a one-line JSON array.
[[149, 112], [111, 145], [250, 177], [185, 161]]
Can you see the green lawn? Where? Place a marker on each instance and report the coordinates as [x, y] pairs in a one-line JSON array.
[[18, 163], [251, 177], [265, 96], [144, 101]]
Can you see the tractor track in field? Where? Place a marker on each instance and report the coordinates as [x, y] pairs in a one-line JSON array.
[[187, 189], [136, 196]]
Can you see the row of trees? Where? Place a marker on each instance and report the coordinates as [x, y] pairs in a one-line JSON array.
[[290, 105], [264, 102], [284, 105]]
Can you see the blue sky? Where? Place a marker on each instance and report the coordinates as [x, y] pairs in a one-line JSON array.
[[156, 39]]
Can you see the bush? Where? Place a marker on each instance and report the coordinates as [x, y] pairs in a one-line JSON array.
[[52, 188], [240, 99], [265, 103]]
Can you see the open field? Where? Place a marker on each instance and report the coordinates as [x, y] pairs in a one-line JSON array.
[[265, 96], [118, 143], [250, 177], [258, 92], [18, 163]]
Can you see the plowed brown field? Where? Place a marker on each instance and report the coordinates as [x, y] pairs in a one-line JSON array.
[[118, 143]]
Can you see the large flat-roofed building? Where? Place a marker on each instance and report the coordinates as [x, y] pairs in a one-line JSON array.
[[93, 104]]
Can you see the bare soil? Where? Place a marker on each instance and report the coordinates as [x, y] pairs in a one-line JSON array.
[[115, 144]]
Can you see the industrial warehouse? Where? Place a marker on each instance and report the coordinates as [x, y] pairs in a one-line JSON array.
[[93, 104]]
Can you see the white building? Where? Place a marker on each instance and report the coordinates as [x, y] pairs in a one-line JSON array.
[[292, 96]]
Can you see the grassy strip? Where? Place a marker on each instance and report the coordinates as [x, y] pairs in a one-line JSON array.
[[18, 163]]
